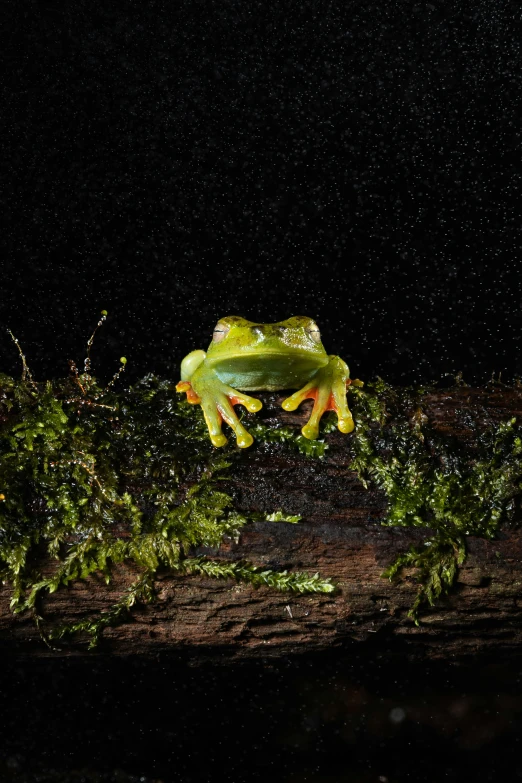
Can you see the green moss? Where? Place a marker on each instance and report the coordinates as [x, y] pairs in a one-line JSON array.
[[294, 440], [94, 478], [431, 481]]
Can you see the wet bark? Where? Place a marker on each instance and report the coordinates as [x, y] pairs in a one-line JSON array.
[[341, 537]]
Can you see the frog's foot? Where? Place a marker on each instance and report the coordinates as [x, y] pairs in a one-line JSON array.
[[221, 408], [218, 406], [328, 390]]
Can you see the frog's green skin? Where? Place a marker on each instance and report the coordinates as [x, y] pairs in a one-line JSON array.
[[248, 356]]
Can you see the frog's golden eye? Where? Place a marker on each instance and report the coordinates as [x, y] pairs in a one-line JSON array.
[[314, 333], [220, 331]]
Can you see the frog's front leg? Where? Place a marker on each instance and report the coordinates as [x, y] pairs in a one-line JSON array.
[[217, 401], [328, 390]]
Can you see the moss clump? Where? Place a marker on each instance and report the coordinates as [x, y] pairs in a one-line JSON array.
[[431, 481], [282, 434], [95, 478]]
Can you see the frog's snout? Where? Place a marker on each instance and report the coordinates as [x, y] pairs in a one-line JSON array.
[[273, 330]]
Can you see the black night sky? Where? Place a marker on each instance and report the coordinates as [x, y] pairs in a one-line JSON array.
[[176, 162]]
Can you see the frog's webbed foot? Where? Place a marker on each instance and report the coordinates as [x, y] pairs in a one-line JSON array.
[[221, 409], [218, 406], [328, 390]]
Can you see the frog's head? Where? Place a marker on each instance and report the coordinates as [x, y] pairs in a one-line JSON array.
[[296, 339]]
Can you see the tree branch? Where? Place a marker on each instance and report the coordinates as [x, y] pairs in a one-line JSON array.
[[340, 536]]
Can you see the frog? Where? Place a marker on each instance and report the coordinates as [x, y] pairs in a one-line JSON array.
[[247, 356]]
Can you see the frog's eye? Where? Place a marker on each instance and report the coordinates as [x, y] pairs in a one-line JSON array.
[[314, 333], [220, 331]]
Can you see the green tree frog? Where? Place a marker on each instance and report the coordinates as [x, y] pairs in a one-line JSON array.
[[245, 356]]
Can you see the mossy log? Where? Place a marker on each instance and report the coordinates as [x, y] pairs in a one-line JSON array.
[[340, 536]]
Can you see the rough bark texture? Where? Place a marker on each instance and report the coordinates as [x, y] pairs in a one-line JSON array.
[[340, 536]]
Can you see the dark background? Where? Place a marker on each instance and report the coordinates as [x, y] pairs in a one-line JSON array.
[[357, 162], [175, 162]]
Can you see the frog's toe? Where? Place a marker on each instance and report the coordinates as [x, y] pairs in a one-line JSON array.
[[311, 428], [339, 404], [345, 424], [294, 401], [244, 439], [218, 440], [250, 403], [310, 431], [186, 386], [213, 420]]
